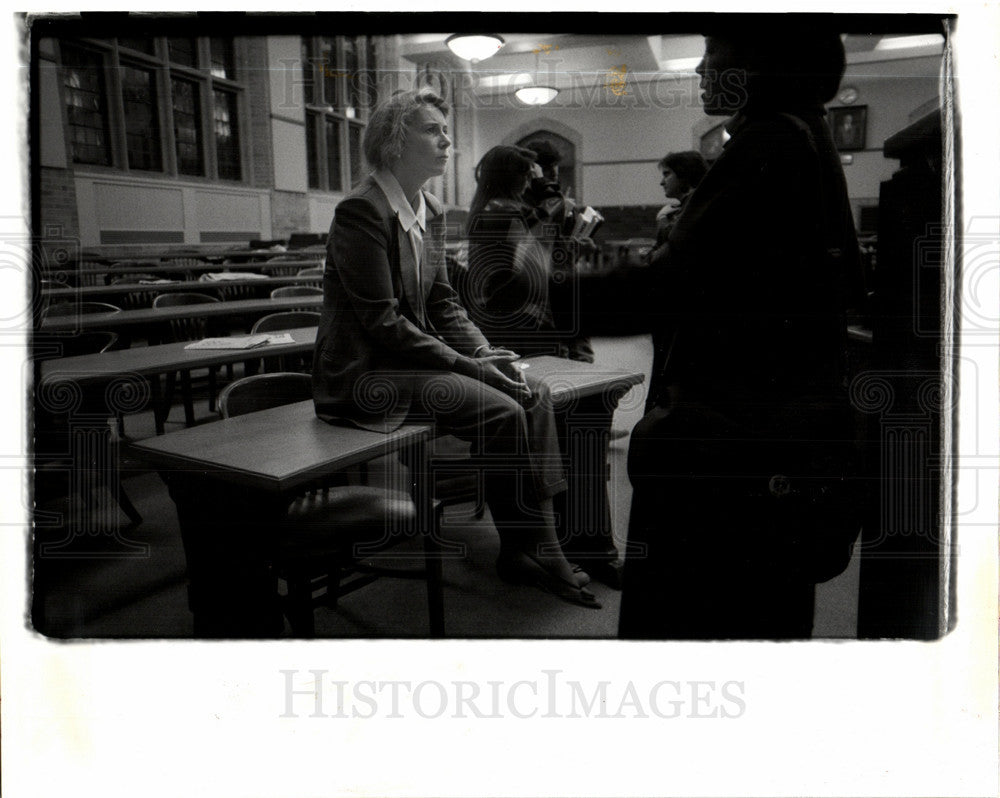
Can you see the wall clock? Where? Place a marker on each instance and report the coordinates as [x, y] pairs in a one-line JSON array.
[[847, 95]]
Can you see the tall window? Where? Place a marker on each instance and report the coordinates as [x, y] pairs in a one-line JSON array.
[[223, 61], [187, 127], [142, 129], [157, 104], [339, 92], [86, 105], [227, 139]]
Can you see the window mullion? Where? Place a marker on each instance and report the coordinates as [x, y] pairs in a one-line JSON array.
[[319, 122], [211, 166], [343, 136], [116, 109], [206, 100], [167, 109], [242, 121]]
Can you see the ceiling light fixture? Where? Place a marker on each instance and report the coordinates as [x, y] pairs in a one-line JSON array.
[[680, 64], [536, 95], [474, 46], [906, 42]]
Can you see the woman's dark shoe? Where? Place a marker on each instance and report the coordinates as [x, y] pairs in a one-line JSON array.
[[523, 569]]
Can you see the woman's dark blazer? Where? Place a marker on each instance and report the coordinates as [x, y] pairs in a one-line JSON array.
[[379, 329]]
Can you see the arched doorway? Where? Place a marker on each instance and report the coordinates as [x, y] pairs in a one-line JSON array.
[[567, 164]]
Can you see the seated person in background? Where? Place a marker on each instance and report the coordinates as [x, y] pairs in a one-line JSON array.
[[681, 173], [394, 343]]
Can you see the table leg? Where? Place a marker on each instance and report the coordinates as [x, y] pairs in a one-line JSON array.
[[228, 535], [159, 411], [428, 525], [583, 510]]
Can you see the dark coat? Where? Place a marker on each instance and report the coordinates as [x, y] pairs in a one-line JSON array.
[[743, 496], [506, 287], [373, 334], [759, 267]]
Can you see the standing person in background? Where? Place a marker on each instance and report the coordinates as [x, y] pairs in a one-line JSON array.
[[506, 288], [681, 172], [506, 291], [395, 344], [556, 211]]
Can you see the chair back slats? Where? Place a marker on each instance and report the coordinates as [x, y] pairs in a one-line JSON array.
[[296, 290], [189, 329], [264, 391], [84, 343], [81, 308], [292, 320]]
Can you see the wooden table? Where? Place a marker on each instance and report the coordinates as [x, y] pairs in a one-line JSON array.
[[231, 482], [263, 255], [111, 293], [93, 274], [585, 397], [151, 317], [125, 372]]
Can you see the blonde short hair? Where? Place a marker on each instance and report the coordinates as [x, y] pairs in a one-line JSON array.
[[385, 133]]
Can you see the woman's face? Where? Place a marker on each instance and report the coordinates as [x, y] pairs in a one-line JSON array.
[[673, 186], [723, 78], [425, 150]]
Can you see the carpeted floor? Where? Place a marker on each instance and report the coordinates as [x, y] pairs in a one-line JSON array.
[[143, 594]]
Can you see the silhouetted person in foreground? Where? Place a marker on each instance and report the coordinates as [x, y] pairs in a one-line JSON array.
[[741, 501]]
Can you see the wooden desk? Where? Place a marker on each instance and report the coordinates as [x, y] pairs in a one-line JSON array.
[[111, 293], [264, 255], [232, 481], [120, 370], [151, 317], [91, 275], [585, 397], [147, 361]]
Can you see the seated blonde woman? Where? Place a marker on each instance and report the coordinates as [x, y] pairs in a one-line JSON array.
[[395, 344]]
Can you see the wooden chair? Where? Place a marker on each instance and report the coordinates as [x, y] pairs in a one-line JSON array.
[[283, 265], [288, 320], [192, 328], [44, 286], [296, 290], [140, 298], [302, 240], [317, 544], [74, 308], [52, 426], [314, 272]]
